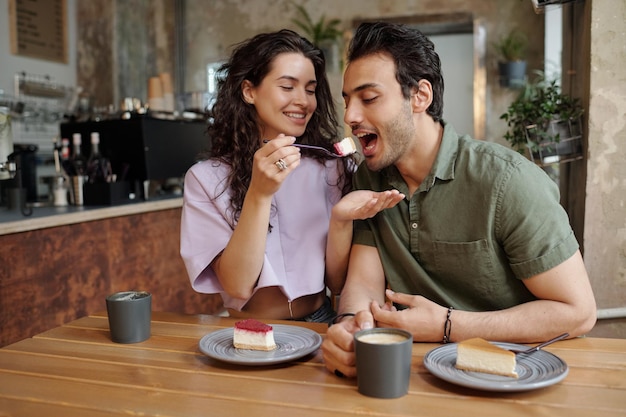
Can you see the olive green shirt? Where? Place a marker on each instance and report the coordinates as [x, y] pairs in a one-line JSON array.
[[484, 219]]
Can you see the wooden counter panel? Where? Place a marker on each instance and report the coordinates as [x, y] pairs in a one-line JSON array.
[[51, 276]]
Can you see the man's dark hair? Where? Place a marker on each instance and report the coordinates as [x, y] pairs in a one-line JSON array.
[[413, 53]]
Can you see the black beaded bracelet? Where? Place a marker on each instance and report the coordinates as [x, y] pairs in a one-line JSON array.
[[339, 317], [447, 326]]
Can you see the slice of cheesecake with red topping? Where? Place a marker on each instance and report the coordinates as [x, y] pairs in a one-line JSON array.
[[345, 147], [254, 335]]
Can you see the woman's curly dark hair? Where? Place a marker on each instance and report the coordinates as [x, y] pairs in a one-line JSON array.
[[233, 128]]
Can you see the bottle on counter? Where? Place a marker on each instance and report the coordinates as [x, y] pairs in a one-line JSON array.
[[78, 161], [64, 157], [60, 191], [98, 167], [58, 188]]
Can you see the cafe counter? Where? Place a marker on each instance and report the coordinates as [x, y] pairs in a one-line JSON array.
[[59, 264], [13, 221]]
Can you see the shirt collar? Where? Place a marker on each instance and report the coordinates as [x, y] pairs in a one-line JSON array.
[[442, 169]]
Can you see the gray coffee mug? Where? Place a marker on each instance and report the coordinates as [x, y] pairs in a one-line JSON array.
[[383, 362], [129, 314]]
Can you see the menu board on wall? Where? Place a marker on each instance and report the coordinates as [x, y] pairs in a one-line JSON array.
[[39, 29]]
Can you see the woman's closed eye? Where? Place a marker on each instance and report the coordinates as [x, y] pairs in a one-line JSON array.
[[309, 91]]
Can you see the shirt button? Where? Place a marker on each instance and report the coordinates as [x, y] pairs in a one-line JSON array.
[[414, 225]]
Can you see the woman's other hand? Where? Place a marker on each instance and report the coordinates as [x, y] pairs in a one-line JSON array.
[[363, 204]]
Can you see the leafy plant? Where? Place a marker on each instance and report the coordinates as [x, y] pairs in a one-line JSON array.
[[512, 47], [539, 104], [319, 31]]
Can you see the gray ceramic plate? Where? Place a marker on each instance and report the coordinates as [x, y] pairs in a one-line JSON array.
[[538, 370], [292, 342]]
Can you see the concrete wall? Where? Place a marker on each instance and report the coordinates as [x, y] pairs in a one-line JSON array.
[[605, 217]]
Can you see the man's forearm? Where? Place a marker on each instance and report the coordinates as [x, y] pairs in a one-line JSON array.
[[357, 297]]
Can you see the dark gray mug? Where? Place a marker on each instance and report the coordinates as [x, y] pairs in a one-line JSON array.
[[129, 316], [383, 362]]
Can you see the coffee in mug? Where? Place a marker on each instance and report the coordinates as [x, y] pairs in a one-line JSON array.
[[382, 338]]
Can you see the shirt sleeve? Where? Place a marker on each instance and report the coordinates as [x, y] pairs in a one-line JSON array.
[[205, 231], [531, 223]]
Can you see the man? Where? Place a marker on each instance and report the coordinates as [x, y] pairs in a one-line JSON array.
[[480, 246]]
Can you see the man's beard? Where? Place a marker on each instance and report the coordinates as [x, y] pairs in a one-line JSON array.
[[398, 133]]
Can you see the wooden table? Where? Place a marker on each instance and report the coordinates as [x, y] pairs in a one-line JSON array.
[[75, 370]]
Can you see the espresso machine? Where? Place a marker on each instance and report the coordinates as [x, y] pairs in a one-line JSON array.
[[144, 150]]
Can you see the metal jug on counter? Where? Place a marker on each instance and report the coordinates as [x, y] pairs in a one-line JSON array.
[[22, 188], [26, 157]]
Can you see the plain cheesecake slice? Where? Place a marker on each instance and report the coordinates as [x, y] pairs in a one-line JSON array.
[[478, 355], [252, 334]]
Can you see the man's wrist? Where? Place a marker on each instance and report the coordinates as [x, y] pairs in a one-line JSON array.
[[339, 317], [447, 327]]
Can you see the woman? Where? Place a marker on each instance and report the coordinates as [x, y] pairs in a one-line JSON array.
[[260, 223]]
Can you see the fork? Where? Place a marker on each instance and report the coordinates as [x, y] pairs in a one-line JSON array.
[[318, 148], [536, 348]]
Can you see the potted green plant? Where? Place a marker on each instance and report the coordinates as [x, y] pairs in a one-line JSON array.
[[512, 59], [323, 34], [544, 122]]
